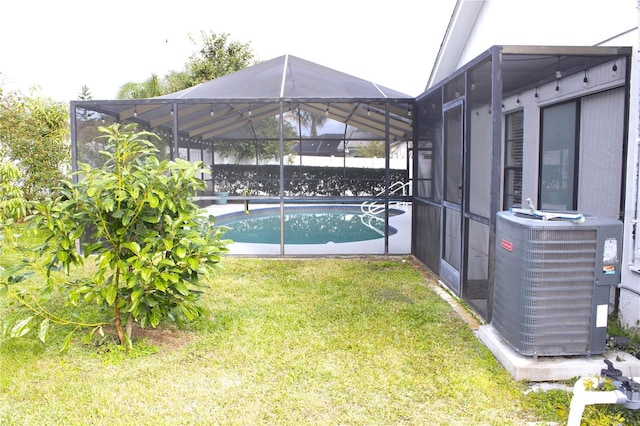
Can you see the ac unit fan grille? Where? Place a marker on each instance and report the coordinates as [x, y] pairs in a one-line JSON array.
[[555, 273]]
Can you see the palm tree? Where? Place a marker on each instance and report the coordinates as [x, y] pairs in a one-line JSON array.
[[309, 120], [151, 87]]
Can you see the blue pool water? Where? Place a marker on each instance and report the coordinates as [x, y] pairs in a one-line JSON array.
[[304, 225]]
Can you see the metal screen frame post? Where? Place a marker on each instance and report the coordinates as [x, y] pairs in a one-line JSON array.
[[496, 164], [387, 177], [176, 138], [74, 142], [281, 124]]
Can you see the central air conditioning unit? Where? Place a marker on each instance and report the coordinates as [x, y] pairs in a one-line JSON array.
[[553, 281]]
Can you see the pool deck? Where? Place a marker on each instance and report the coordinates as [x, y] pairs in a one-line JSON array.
[[399, 243]]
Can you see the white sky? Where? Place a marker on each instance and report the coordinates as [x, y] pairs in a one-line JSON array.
[[58, 46]]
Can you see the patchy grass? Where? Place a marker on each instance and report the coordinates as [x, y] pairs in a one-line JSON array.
[[319, 341]]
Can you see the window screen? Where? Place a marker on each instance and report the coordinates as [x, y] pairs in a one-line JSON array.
[[513, 160]]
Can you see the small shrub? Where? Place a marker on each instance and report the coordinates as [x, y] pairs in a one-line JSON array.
[[150, 242]]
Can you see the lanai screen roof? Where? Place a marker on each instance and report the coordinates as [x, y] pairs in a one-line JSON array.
[[215, 109]]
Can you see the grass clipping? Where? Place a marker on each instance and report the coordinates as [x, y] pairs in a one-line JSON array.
[[322, 341]]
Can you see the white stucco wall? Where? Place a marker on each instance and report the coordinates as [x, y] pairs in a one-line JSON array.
[[548, 23], [629, 307]]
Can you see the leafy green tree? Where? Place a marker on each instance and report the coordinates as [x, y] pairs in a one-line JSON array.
[[371, 149], [151, 243], [217, 56], [13, 205], [34, 132], [176, 81]]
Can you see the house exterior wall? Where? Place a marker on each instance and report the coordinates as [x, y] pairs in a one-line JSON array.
[[606, 105], [546, 23], [629, 305], [561, 23], [601, 148]]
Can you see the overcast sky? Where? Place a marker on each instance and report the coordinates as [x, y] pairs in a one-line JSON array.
[[59, 46]]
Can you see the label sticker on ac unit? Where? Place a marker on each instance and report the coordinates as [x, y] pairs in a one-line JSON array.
[[610, 252], [609, 269], [602, 312], [507, 245]]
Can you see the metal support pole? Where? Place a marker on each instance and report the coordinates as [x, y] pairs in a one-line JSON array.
[[282, 179], [496, 147], [387, 178], [174, 109], [74, 141]]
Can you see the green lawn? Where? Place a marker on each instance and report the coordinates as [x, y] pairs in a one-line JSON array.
[[284, 342], [321, 341]]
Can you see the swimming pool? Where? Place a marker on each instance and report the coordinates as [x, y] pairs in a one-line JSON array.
[[305, 225]]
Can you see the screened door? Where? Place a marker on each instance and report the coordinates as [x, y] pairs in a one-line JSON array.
[[453, 190]]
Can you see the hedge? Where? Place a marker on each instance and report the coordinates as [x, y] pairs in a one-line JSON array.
[[302, 181]]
